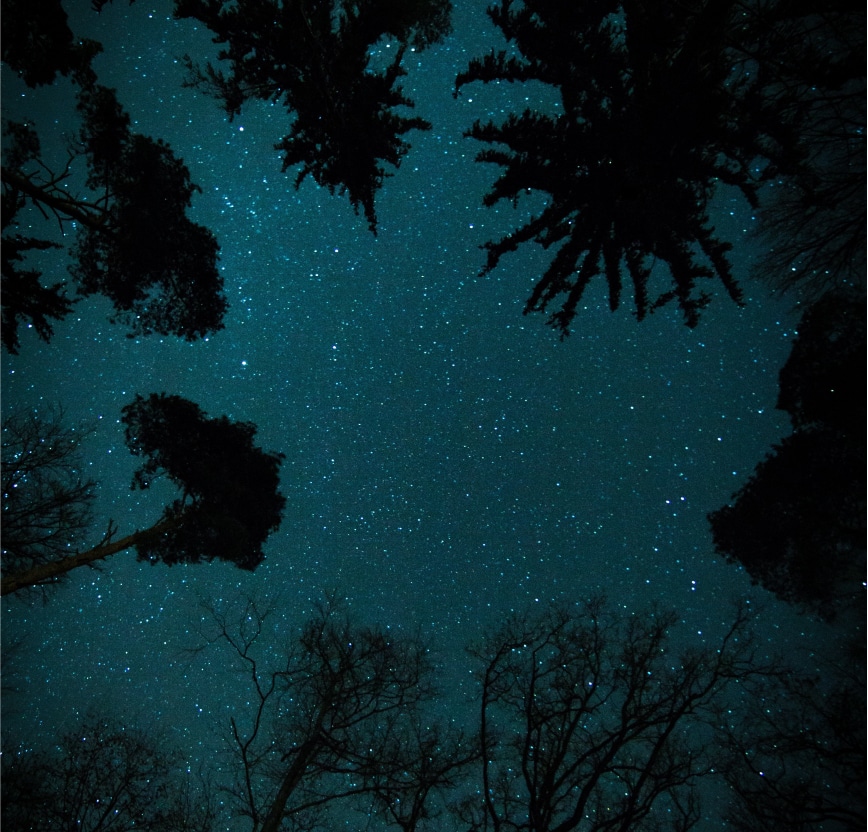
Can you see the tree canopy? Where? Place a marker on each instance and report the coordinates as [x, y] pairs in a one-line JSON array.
[[798, 525], [590, 719], [314, 58], [38, 43], [229, 501], [656, 112], [135, 244], [102, 777]]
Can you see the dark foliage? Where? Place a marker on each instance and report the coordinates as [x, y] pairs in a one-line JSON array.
[[135, 244], [587, 720], [649, 126], [314, 59], [38, 43], [798, 525], [47, 502], [157, 267], [25, 301], [102, 778], [656, 112], [822, 383], [229, 501]]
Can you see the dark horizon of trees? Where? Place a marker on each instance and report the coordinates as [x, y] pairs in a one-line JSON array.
[[586, 717], [229, 501]]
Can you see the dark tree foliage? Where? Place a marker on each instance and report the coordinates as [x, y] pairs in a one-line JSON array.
[[822, 383], [25, 301], [228, 507], [135, 244], [47, 501], [798, 525], [647, 128], [652, 120], [589, 722], [104, 777], [38, 43], [313, 57], [229, 501]]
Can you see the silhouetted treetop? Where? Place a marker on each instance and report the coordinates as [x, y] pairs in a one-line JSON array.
[[315, 59], [823, 382], [135, 243], [798, 525], [229, 501], [652, 119], [38, 43]]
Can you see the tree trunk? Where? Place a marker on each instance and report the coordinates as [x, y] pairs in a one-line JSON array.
[[46, 571], [289, 783]]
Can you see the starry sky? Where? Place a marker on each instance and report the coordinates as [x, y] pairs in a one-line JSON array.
[[448, 459]]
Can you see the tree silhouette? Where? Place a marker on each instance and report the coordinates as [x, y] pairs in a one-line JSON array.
[[24, 298], [652, 118], [38, 43], [797, 764], [809, 57], [135, 243], [229, 501], [588, 722], [314, 58], [104, 777], [336, 718], [798, 525], [47, 503]]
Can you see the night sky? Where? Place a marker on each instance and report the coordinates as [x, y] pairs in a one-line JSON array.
[[447, 458]]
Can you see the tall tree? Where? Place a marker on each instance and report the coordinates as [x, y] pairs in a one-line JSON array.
[[135, 243], [651, 120], [104, 777], [589, 722], [229, 503], [334, 720], [314, 58], [798, 524]]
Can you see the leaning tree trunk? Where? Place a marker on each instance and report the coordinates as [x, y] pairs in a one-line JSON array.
[[47, 571]]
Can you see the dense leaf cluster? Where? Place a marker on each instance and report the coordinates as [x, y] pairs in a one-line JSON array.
[[315, 59], [229, 501]]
